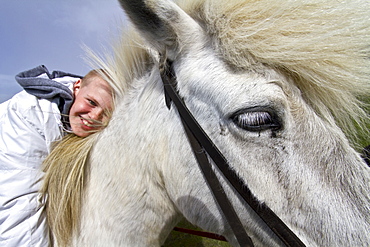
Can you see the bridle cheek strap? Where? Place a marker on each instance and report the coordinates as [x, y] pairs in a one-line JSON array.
[[218, 191], [204, 164], [202, 145]]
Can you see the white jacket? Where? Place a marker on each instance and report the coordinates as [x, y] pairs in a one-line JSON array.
[[28, 126]]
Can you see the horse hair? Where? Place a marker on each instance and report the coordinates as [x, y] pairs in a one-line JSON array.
[[309, 41]]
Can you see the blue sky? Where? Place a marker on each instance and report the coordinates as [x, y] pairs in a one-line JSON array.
[[51, 32]]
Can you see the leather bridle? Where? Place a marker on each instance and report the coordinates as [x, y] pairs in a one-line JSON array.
[[203, 148]]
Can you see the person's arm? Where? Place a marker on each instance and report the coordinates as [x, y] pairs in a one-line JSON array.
[[26, 126]]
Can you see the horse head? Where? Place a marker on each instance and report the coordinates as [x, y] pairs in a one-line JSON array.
[[275, 85]]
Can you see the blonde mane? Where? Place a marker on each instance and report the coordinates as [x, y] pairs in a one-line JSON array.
[[129, 59], [322, 45]]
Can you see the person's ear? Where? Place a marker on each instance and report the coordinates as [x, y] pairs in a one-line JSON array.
[[77, 87]]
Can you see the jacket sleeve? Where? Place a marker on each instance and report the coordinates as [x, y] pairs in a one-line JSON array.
[[28, 126]]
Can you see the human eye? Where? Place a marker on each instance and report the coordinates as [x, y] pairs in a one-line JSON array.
[[92, 102]]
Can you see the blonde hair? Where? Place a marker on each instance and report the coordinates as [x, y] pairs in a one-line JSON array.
[[65, 171], [96, 73], [66, 167], [64, 181]]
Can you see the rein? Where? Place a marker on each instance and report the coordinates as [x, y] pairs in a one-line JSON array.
[[203, 147]]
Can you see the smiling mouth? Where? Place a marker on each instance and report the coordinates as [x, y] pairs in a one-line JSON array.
[[86, 123]]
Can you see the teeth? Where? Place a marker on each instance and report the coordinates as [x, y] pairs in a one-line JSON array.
[[85, 122]]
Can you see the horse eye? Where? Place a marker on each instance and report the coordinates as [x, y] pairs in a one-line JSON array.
[[256, 120]]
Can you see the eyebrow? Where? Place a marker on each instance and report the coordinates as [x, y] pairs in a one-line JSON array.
[[89, 97]]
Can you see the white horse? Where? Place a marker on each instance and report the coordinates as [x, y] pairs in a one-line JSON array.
[[275, 84]]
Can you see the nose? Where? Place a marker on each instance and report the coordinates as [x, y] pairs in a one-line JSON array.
[[96, 114]]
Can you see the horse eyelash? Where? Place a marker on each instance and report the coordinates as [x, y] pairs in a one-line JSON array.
[[256, 120]]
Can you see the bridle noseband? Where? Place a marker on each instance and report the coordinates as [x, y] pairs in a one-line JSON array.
[[203, 147]]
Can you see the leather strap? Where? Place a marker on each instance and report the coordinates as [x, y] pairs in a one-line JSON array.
[[203, 145], [218, 191]]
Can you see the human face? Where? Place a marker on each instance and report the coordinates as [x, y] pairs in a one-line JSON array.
[[92, 101]]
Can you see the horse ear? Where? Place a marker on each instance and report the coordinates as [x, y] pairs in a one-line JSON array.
[[164, 24]]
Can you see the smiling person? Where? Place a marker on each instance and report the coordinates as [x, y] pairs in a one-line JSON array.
[[92, 104], [51, 105]]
